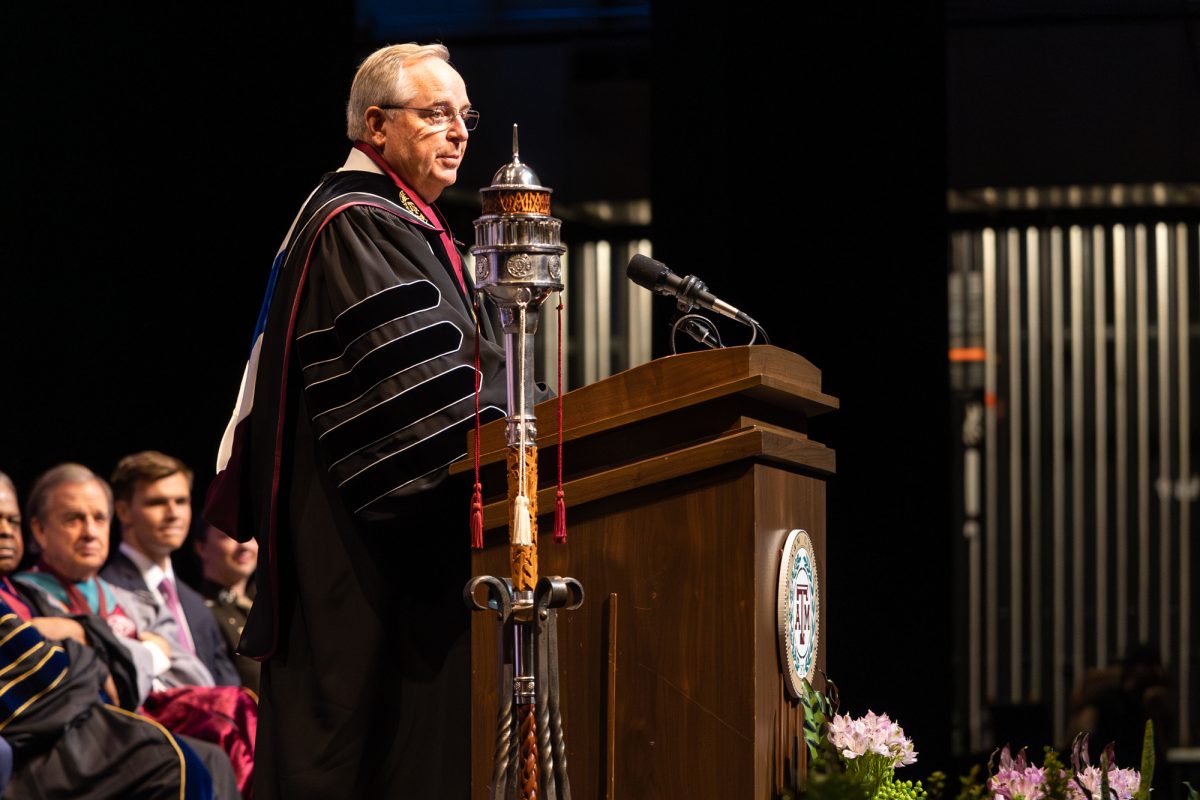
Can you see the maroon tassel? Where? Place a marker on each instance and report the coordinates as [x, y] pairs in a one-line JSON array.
[[560, 504], [560, 518], [477, 518], [477, 494]]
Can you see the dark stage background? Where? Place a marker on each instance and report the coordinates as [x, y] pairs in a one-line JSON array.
[[155, 160]]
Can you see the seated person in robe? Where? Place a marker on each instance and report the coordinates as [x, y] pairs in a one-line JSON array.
[[69, 510], [59, 707]]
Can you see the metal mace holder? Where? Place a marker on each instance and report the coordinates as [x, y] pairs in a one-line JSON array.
[[518, 264]]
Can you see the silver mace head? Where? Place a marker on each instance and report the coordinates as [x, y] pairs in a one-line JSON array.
[[517, 249], [518, 264]]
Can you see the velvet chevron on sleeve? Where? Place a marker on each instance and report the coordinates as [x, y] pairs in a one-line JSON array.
[[386, 361]]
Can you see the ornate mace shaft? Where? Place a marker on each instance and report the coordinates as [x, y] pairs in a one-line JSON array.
[[518, 265]]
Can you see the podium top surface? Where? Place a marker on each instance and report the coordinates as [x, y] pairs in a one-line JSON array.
[[763, 374]]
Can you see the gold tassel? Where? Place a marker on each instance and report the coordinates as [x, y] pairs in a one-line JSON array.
[[522, 532]]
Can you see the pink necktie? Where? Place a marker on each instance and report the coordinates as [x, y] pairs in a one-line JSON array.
[[167, 588]]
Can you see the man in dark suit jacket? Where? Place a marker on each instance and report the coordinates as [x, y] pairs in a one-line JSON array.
[[152, 494]]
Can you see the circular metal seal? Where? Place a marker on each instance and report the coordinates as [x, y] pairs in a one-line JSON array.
[[798, 611], [519, 266], [483, 270], [555, 268]]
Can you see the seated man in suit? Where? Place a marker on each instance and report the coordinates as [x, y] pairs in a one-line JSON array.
[[69, 510], [68, 702], [152, 494]]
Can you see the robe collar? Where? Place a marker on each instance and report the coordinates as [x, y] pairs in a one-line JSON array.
[[411, 202], [91, 596]]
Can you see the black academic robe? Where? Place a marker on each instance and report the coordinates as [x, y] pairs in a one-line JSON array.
[[65, 741], [368, 362]]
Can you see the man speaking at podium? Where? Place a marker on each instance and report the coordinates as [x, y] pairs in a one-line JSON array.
[[358, 394]]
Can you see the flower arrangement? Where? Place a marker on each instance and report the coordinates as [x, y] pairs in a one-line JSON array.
[[871, 747], [854, 757], [1019, 779]]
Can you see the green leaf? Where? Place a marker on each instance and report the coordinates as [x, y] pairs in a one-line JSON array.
[[972, 788], [822, 755], [1143, 791]]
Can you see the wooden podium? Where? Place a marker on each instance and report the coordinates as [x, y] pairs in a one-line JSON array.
[[683, 478]]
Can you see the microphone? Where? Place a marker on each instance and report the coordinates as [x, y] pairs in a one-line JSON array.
[[690, 291]]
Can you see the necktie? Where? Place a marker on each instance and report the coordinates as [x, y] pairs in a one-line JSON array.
[[167, 589]]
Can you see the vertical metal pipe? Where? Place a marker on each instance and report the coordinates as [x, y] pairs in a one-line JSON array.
[[589, 313], [1162, 261], [1141, 302], [1121, 423], [1078, 527], [1058, 476], [991, 500], [1100, 366], [968, 253], [1182, 314], [1015, 428], [1033, 305], [604, 307]]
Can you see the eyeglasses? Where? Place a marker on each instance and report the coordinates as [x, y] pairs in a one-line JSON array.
[[439, 116]]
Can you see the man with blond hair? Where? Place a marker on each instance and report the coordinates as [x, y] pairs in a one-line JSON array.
[[152, 494], [358, 394]]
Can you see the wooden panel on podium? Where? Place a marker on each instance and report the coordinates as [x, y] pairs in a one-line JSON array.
[[683, 478]]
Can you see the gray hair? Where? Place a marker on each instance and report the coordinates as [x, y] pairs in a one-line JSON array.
[[381, 78], [39, 495]]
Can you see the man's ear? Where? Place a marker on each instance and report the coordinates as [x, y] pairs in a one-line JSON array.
[[39, 535], [121, 508], [375, 118]]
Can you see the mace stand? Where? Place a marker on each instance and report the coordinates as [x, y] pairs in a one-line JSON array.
[[528, 643]]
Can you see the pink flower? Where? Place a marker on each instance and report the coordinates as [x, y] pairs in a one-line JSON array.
[[871, 734], [1122, 783], [1017, 779]]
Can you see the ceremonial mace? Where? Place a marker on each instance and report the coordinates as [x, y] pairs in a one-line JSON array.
[[518, 265]]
